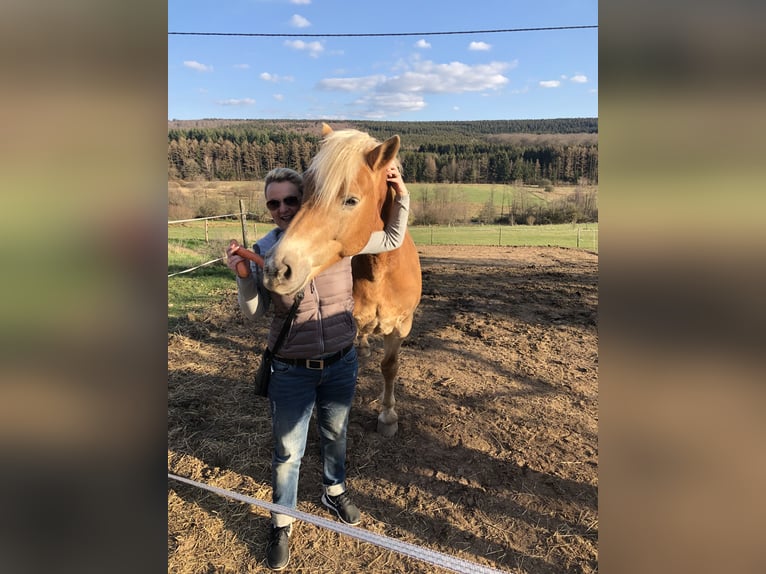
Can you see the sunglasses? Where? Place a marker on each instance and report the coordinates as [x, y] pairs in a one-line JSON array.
[[289, 201]]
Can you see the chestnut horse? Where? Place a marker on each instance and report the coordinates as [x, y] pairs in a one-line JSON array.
[[346, 198]]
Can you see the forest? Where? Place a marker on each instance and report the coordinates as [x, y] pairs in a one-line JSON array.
[[553, 151]]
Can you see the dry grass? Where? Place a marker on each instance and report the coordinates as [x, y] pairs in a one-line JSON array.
[[495, 461]]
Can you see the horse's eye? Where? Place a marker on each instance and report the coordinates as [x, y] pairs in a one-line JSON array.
[[351, 201]]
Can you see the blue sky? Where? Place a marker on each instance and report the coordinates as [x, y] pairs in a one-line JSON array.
[[510, 75]]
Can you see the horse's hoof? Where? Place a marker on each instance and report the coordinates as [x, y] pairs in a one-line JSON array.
[[388, 429]]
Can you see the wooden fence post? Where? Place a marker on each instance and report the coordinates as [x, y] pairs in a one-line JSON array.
[[242, 219], [207, 237]]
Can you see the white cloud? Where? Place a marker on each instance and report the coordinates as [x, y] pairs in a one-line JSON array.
[[267, 77], [278, 97], [580, 78], [197, 66], [236, 102], [299, 21], [313, 48], [377, 104], [406, 91], [479, 46], [422, 44], [351, 84], [300, 1], [550, 84], [452, 78]]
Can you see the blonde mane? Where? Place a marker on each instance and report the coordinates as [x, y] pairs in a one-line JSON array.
[[336, 165]]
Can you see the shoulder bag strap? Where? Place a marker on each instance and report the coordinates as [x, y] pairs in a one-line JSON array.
[[288, 322]]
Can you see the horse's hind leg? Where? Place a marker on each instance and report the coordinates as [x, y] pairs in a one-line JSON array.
[[388, 419]]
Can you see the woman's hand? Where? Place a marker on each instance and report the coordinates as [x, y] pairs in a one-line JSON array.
[[394, 179], [236, 262]]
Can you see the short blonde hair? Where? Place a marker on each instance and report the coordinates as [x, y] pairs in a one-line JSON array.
[[279, 174]]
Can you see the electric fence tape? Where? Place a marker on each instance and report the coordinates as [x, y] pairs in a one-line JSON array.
[[197, 267], [411, 550]]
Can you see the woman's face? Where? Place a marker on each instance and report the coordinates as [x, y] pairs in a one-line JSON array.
[[283, 200]]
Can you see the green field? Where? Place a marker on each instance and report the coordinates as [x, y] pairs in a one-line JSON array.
[[476, 194], [191, 236], [584, 236]]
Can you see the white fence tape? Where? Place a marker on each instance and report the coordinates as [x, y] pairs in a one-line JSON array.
[[204, 218], [411, 550], [197, 267]]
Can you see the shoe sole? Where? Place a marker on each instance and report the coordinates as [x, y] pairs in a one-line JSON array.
[[329, 505]]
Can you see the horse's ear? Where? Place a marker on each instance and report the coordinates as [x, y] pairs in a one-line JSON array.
[[383, 154], [326, 130]]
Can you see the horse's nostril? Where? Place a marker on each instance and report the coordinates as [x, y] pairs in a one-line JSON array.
[[288, 272]]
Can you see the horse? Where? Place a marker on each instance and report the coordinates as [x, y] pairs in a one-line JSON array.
[[346, 198]]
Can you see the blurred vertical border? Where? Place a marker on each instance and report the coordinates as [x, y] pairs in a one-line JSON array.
[[82, 233], [682, 115]]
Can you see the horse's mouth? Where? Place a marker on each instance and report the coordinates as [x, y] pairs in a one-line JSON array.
[[281, 282]]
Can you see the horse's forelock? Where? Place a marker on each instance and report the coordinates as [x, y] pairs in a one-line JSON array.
[[337, 163]]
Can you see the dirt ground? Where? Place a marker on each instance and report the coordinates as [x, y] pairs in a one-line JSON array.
[[496, 457]]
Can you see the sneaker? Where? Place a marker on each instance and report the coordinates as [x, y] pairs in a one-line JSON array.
[[343, 507], [278, 547]]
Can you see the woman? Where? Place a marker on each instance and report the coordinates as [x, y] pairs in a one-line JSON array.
[[317, 364]]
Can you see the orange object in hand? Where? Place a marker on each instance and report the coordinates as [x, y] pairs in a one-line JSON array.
[[243, 270]]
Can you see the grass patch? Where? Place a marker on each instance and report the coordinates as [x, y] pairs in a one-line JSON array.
[[191, 292], [478, 193], [194, 292], [563, 235]]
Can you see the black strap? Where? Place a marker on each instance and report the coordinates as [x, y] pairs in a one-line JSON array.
[[288, 322]]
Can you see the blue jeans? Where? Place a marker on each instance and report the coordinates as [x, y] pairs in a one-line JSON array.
[[293, 392]]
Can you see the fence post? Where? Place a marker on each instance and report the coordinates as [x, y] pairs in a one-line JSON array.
[[207, 237], [242, 217], [578, 236]]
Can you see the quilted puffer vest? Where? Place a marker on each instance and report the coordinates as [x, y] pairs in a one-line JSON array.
[[324, 322]]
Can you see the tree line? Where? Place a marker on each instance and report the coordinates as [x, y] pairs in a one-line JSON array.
[[559, 151]]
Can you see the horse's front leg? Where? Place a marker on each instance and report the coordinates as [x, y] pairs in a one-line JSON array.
[[388, 419], [363, 345]]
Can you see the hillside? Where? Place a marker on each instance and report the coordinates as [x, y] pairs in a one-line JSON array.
[[562, 150]]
